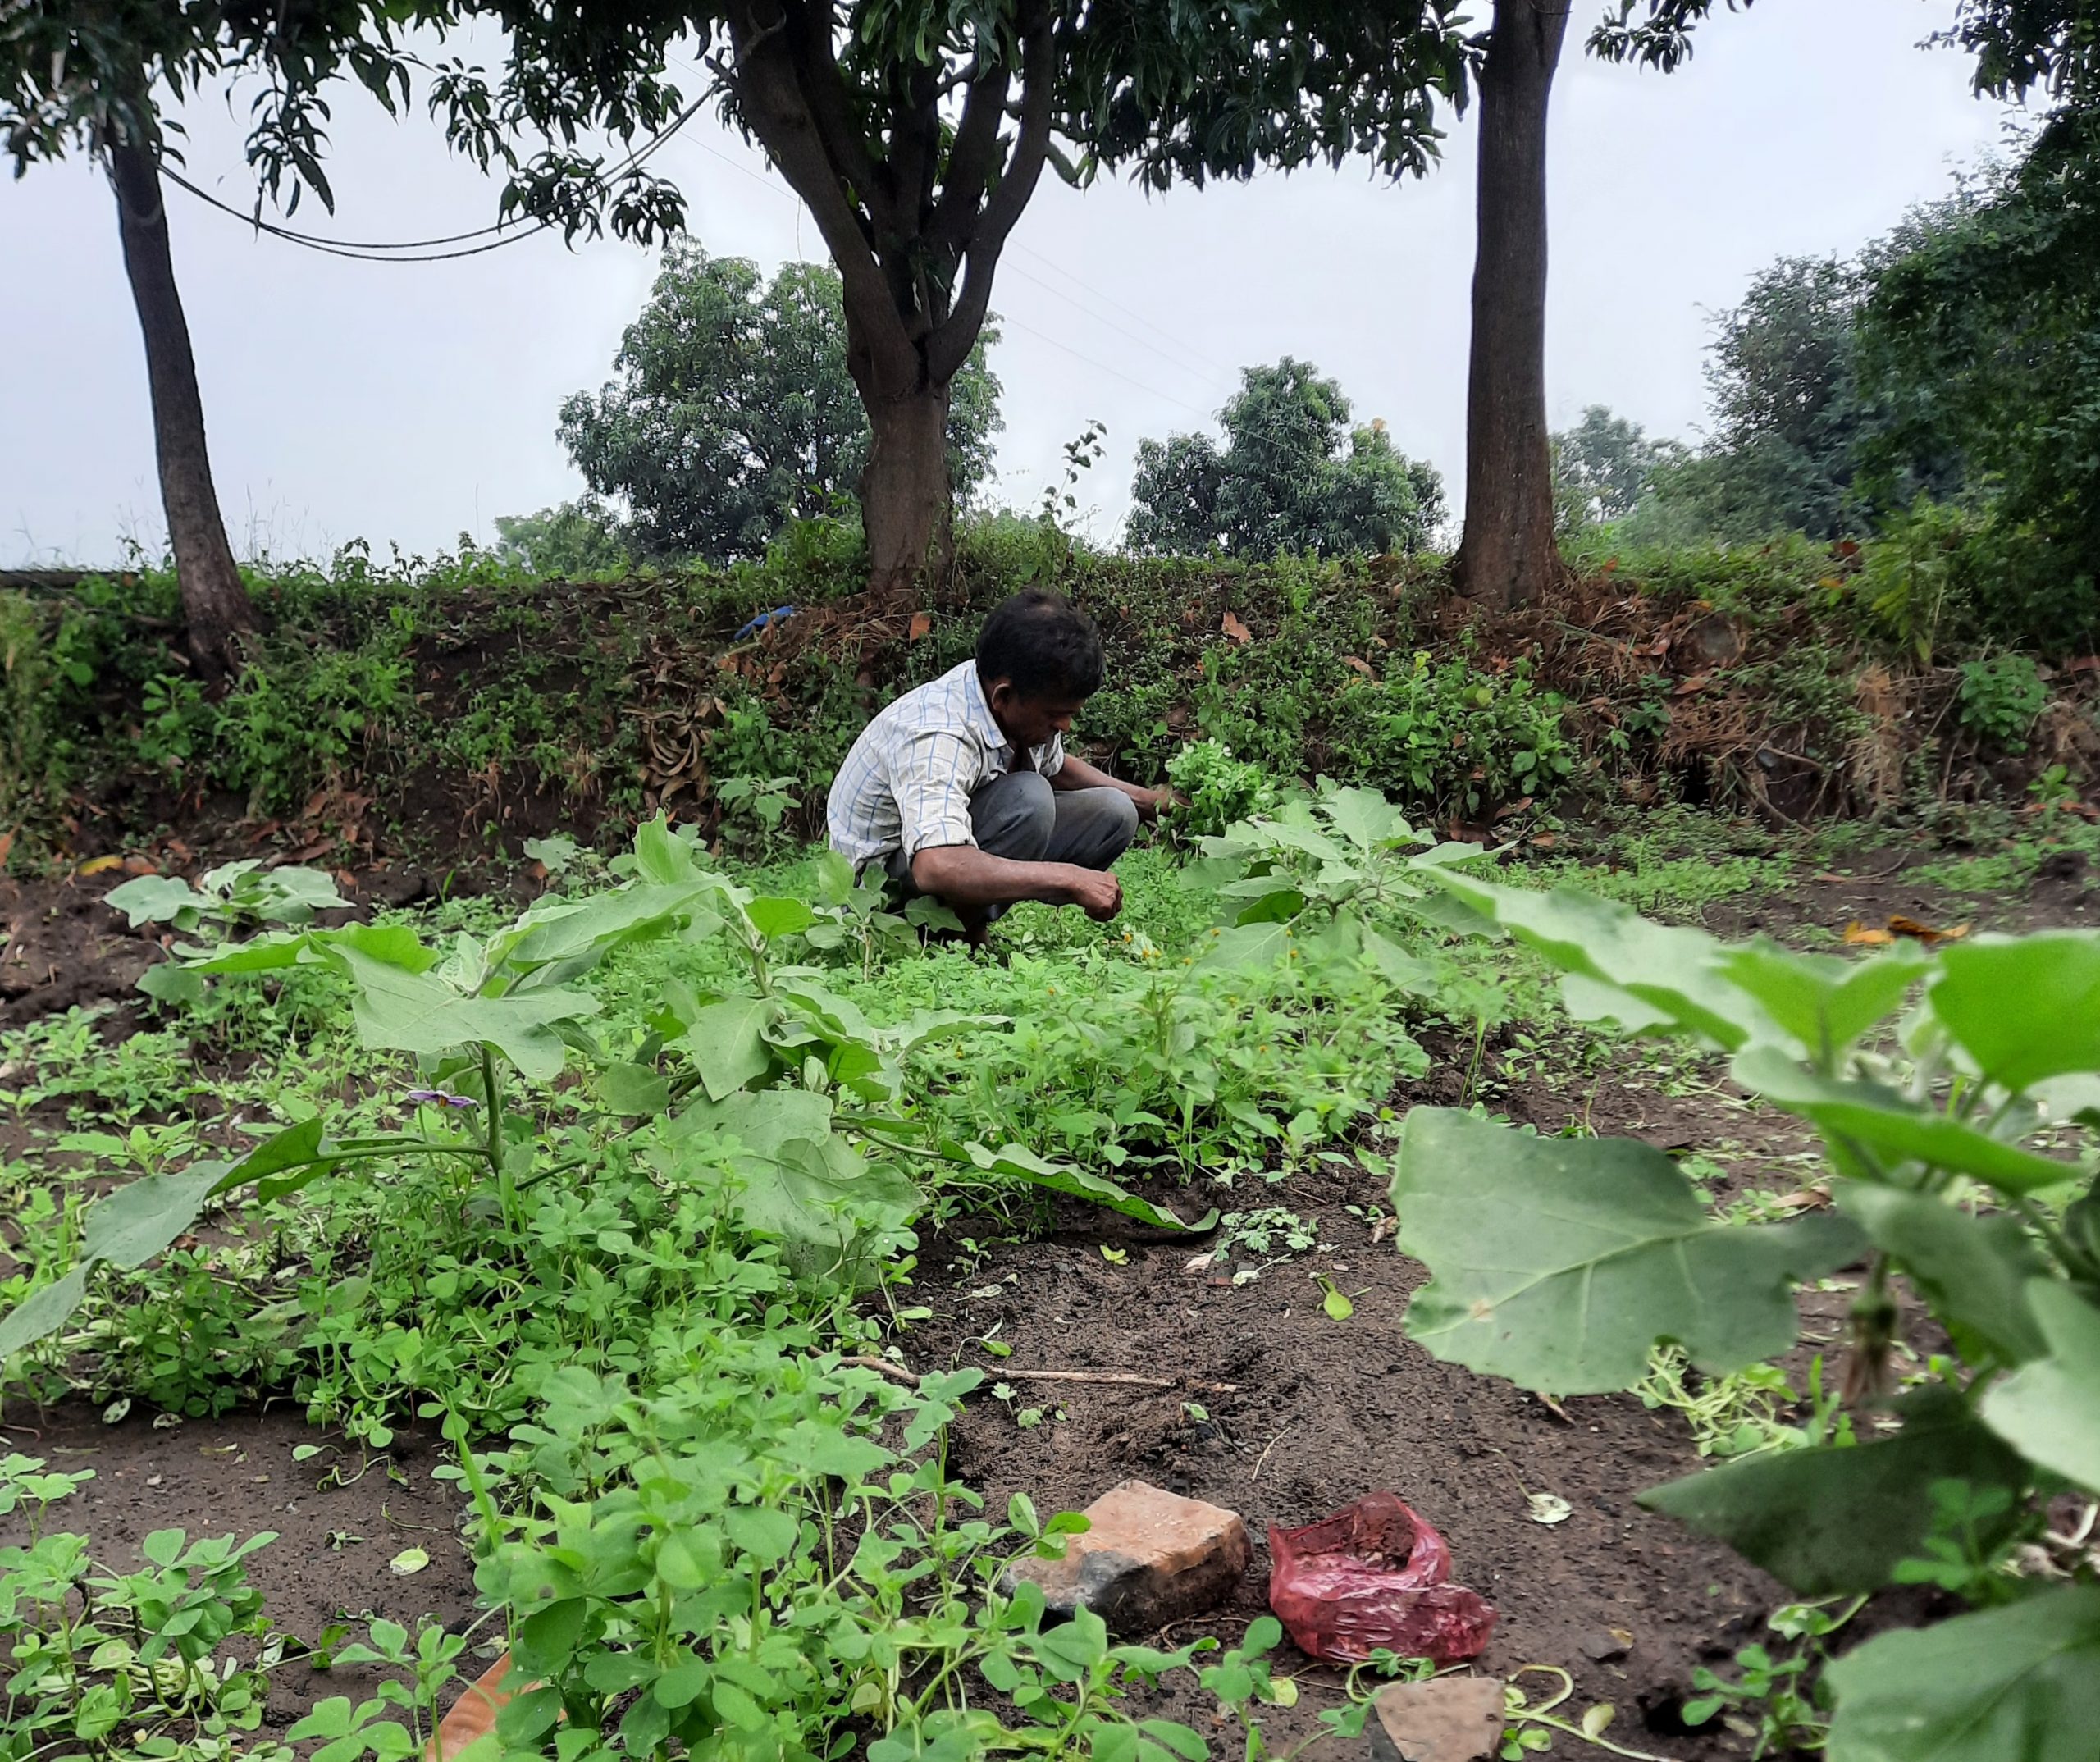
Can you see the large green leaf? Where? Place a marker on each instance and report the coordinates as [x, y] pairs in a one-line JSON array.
[[2018, 1684], [1833, 1520], [1020, 1163], [419, 1012], [797, 1179], [43, 1312], [2050, 1409], [152, 899], [556, 941], [726, 1042], [1861, 1116], [1559, 1263], [1973, 1271], [2023, 1009], [1824, 1003], [1673, 971]]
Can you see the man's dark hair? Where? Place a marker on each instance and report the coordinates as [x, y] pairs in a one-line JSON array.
[[1042, 644]]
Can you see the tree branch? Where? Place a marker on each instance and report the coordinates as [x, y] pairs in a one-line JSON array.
[[949, 347], [772, 103], [823, 88], [972, 158]]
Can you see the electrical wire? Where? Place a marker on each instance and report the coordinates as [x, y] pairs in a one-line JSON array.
[[370, 251]]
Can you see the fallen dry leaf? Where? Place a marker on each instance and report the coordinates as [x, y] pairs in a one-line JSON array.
[[1234, 629], [1925, 933], [1857, 935], [921, 622], [1361, 666], [97, 866]]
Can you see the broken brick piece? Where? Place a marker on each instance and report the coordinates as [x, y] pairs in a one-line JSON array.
[[1152, 1558], [1445, 1719]]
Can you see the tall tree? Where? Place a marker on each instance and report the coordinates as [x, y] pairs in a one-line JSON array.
[[916, 133], [1293, 476], [1604, 468], [1508, 553], [734, 413], [76, 75], [216, 611]]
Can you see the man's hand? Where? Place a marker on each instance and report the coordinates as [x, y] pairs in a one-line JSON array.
[[1150, 802], [1096, 892]]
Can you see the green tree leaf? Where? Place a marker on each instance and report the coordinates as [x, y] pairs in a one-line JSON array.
[[1559, 1263], [1837, 1519], [2017, 1684], [1018, 1162], [726, 1042]]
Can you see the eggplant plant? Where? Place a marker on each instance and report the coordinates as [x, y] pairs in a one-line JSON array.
[[1949, 1087]]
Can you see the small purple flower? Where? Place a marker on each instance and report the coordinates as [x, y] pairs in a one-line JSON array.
[[440, 1097]]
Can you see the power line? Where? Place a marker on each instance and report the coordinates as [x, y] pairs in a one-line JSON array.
[[370, 252], [1103, 366], [1167, 339], [1204, 372]]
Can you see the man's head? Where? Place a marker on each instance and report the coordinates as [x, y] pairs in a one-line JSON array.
[[1038, 658]]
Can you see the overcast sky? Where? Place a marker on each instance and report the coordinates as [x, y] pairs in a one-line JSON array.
[[410, 403]]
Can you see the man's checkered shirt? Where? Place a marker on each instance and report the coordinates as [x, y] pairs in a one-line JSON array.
[[906, 783]]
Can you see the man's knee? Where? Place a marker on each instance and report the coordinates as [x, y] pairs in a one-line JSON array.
[[1094, 827], [1014, 816]]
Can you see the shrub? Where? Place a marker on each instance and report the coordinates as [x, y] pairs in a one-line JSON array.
[[2000, 698], [1220, 788]]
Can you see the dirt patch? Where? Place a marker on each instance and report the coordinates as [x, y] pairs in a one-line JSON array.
[[339, 1516], [1286, 1415]]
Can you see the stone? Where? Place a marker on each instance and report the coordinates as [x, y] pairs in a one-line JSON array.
[[1445, 1719], [1152, 1557]]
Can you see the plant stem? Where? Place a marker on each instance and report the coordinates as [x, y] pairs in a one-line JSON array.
[[505, 1187]]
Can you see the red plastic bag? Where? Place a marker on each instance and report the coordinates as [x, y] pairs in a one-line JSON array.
[[1373, 1575]]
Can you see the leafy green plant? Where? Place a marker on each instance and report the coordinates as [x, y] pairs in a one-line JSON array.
[[1219, 788], [2000, 698], [1935, 1178]]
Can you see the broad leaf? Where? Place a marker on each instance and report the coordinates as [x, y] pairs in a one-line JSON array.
[[779, 917], [2025, 1009], [2050, 1409], [1248, 946], [419, 1012], [43, 1312], [1021, 1163], [152, 899], [726, 1042], [556, 941], [1824, 1004], [1559, 1263], [634, 1089], [1832, 1519], [1672, 971], [1365, 817], [169, 983], [130, 1226], [2017, 1684], [1973, 1271], [1861, 1115]]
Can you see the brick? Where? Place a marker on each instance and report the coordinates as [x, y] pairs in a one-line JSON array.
[[1445, 1719], [1152, 1558]]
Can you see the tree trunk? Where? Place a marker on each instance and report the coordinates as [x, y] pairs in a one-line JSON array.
[[215, 605], [1509, 555], [905, 499]]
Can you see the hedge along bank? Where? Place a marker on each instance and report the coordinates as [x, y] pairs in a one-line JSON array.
[[430, 703]]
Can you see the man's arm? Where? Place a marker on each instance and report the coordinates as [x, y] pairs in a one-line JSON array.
[[1076, 774], [964, 877]]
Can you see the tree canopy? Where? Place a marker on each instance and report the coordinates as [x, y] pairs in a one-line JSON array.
[[1292, 476], [733, 412], [1604, 468]]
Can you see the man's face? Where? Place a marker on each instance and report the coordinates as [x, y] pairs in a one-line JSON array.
[[1030, 721]]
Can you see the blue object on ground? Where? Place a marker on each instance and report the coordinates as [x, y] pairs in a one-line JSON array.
[[762, 620]]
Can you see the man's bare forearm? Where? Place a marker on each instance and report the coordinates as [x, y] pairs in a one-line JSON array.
[[1076, 774], [964, 875]]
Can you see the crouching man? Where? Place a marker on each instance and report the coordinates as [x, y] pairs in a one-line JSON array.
[[962, 789]]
